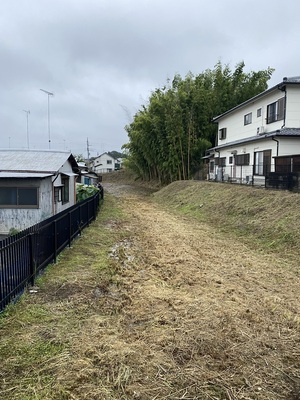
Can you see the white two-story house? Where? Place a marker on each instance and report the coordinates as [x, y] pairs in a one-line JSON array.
[[259, 137], [106, 162]]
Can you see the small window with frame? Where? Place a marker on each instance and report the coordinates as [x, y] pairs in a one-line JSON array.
[[248, 119], [222, 133]]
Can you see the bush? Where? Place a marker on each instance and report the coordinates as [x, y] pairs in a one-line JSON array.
[[85, 191]]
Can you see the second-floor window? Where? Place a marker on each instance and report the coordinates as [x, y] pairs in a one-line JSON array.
[[275, 111], [248, 119], [222, 133], [109, 161]]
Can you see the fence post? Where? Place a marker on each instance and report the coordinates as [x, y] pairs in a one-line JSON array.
[[1, 279], [70, 230], [55, 240], [31, 259]]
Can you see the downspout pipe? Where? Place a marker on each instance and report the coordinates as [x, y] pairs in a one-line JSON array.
[[282, 88], [277, 149], [277, 141]]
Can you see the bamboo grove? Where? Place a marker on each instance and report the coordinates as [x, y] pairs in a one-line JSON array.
[[168, 136]]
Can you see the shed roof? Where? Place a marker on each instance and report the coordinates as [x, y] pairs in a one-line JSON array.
[[24, 175], [34, 161]]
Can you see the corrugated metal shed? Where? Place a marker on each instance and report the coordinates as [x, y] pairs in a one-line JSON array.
[[42, 161]]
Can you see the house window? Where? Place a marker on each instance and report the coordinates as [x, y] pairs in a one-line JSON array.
[[258, 114], [275, 111], [231, 160], [242, 159], [18, 197], [65, 191], [248, 119], [57, 194], [211, 166], [109, 161], [222, 133], [220, 161], [262, 162]]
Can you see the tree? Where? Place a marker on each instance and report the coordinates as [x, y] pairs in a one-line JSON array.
[[169, 136]]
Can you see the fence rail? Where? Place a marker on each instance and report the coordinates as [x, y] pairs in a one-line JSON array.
[[24, 255]]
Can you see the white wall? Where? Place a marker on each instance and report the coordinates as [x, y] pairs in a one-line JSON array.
[[293, 109], [234, 122], [288, 146], [22, 218]]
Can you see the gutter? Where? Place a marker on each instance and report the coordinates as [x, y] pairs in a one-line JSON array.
[[282, 88], [277, 141]]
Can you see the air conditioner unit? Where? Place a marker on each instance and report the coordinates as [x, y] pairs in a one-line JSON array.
[[260, 130]]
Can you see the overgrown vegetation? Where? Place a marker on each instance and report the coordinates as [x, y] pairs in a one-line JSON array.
[[85, 191], [169, 135]]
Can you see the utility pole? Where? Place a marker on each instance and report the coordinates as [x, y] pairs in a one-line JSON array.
[[49, 94], [88, 151], [27, 112]]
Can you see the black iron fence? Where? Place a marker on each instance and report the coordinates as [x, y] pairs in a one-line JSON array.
[[284, 181], [24, 255], [284, 176]]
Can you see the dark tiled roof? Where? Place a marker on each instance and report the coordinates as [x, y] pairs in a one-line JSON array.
[[288, 132]]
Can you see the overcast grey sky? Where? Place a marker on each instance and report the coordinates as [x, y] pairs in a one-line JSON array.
[[102, 59]]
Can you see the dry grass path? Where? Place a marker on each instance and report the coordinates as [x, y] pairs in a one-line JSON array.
[[207, 315], [159, 307]]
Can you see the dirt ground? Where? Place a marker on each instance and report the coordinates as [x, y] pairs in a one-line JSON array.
[[208, 317], [153, 304]]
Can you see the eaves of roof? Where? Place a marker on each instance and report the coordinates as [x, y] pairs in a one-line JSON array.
[[23, 175], [285, 132]]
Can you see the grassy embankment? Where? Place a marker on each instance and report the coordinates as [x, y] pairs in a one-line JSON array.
[[265, 219]]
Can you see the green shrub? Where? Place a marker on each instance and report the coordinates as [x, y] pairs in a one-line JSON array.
[[85, 191]]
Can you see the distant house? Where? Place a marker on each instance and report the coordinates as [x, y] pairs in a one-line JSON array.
[[106, 162], [87, 177], [259, 137], [34, 185]]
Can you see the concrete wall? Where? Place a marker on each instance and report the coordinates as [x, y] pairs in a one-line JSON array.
[[22, 218]]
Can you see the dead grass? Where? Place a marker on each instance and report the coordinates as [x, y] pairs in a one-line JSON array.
[[152, 305]]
